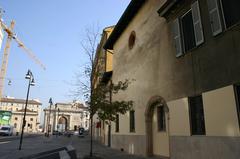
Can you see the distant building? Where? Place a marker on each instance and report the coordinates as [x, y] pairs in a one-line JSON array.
[[66, 116], [102, 73], [16, 107]]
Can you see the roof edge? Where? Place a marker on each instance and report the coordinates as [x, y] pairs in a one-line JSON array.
[[130, 12]]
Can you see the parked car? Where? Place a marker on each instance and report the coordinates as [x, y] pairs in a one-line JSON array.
[[81, 131], [7, 130], [55, 132], [75, 133], [68, 133]]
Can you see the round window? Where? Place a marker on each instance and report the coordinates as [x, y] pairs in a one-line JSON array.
[[131, 40]]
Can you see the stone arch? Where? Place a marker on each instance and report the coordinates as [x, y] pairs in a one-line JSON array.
[[63, 120], [151, 105]]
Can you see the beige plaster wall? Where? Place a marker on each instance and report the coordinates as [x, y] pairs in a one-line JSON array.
[[109, 57], [124, 123], [220, 112], [179, 117]]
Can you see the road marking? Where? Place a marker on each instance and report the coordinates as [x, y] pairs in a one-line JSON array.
[[4, 142]]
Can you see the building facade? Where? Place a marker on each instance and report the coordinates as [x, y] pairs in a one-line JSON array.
[[184, 57], [102, 75], [66, 116], [16, 107]]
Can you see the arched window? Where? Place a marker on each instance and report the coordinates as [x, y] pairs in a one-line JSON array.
[[131, 40]]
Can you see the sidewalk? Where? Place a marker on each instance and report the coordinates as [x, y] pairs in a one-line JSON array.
[[9, 149], [82, 145]]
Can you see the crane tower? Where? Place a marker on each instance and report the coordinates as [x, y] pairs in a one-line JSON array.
[[11, 35]]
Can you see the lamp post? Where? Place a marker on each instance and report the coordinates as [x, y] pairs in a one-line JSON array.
[[30, 77], [50, 102]]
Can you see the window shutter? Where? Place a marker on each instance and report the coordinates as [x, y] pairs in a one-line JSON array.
[[177, 37], [214, 17], [198, 32]]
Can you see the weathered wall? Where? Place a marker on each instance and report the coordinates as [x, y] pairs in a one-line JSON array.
[[156, 71], [131, 144], [142, 61], [142, 65], [202, 147]]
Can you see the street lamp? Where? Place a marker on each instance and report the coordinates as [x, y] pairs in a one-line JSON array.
[[50, 102], [30, 77]]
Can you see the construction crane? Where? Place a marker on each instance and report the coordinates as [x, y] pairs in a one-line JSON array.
[[12, 35]]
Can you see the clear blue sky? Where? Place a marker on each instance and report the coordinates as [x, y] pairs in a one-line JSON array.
[[53, 30]]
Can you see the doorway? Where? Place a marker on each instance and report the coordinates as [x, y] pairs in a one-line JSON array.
[[157, 141]]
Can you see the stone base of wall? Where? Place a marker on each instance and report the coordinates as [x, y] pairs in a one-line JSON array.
[[133, 144], [204, 147]]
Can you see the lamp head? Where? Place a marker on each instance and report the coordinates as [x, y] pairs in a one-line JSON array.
[[28, 75], [50, 101], [32, 82], [9, 82]]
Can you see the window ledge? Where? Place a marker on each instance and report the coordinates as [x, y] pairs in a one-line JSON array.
[[191, 50], [235, 27]]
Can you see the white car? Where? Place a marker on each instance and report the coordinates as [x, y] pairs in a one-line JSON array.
[[6, 130]]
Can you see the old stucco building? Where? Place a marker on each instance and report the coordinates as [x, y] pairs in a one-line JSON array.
[[102, 74], [66, 116], [16, 107], [184, 57]]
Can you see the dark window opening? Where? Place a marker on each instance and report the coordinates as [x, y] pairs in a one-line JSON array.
[[197, 115], [188, 31], [161, 118], [131, 40], [132, 121], [231, 12], [117, 123]]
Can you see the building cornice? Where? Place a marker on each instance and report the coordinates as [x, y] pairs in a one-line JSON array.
[[64, 111], [22, 101]]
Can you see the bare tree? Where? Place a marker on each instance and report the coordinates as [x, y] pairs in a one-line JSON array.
[[96, 98], [85, 85]]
